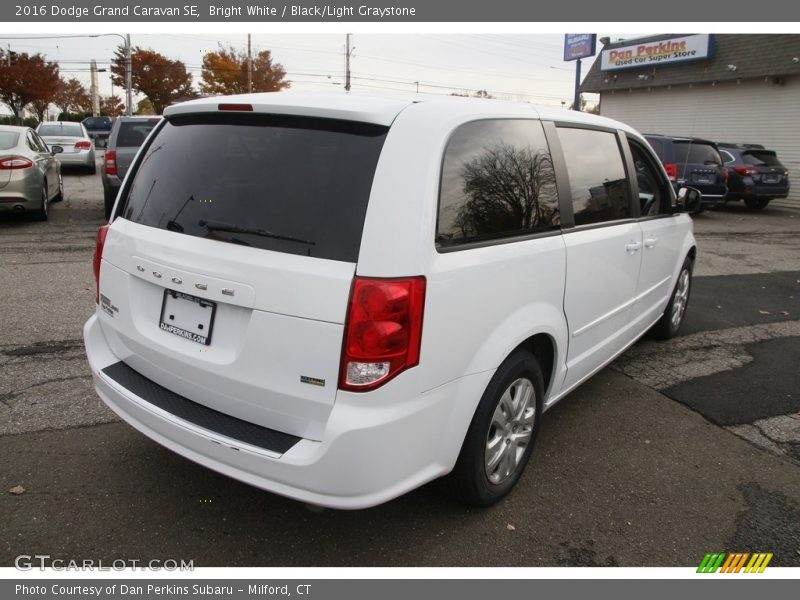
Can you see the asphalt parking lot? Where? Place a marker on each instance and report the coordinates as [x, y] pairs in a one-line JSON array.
[[677, 449]]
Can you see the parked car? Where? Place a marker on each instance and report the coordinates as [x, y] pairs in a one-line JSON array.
[[755, 174], [694, 162], [341, 298], [77, 149], [127, 135], [98, 129], [30, 174]]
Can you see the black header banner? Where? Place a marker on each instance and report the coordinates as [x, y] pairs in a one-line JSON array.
[[397, 11]]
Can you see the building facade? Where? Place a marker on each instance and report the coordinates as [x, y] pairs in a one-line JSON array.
[[725, 87]]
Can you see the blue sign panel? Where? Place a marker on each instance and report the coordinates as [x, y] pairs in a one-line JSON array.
[[579, 45]]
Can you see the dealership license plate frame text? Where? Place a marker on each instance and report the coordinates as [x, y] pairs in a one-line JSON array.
[[187, 316]]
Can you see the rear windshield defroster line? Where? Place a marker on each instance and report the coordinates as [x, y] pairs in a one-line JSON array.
[[304, 181]]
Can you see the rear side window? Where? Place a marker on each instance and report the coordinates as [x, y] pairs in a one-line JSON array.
[[600, 190], [497, 182], [289, 184], [761, 158], [696, 153], [134, 133]]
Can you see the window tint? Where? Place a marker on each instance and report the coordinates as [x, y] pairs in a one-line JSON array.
[[600, 190], [653, 188], [31, 142], [497, 182], [8, 140], [133, 133], [289, 184], [39, 142], [761, 158], [696, 153]]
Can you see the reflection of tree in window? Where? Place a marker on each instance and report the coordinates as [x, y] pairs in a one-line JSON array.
[[507, 189]]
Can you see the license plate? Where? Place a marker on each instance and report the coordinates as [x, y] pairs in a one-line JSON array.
[[703, 180], [771, 178], [187, 316]]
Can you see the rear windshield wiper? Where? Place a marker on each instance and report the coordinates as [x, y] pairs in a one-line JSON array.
[[232, 228]]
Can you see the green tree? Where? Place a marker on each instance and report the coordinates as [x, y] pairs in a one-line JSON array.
[[161, 79], [26, 79], [225, 72]]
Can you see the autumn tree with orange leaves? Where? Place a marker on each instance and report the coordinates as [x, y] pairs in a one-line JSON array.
[[225, 72], [162, 80], [27, 80]]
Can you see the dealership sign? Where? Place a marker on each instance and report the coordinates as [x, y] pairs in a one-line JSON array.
[[579, 45], [662, 52]]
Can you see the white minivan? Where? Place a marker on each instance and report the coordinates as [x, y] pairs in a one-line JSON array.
[[340, 298]]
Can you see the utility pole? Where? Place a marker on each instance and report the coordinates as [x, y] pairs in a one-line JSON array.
[[249, 65], [93, 89], [128, 76], [347, 65]]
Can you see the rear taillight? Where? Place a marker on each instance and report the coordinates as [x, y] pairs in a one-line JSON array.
[[383, 331], [15, 162], [83, 145], [672, 171], [745, 171], [725, 174], [98, 256], [111, 162]]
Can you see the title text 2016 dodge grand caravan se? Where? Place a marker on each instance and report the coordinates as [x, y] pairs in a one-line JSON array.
[[339, 298]]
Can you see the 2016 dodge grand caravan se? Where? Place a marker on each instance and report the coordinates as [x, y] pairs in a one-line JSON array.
[[340, 298]]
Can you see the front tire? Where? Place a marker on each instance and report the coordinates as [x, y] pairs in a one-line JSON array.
[[60, 195], [502, 433], [670, 322]]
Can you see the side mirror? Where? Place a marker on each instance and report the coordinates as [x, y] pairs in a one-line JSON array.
[[688, 199], [56, 150]]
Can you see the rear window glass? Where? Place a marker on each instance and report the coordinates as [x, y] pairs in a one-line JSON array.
[[66, 129], [8, 140], [97, 122], [761, 158], [696, 153], [290, 184], [134, 133]]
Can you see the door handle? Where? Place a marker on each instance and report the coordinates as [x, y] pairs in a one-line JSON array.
[[650, 242], [633, 246]]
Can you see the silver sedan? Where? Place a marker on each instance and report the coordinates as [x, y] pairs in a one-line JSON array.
[[30, 174], [73, 139]]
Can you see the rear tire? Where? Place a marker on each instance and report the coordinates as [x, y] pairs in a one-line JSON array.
[[756, 203], [502, 433], [670, 322], [43, 213]]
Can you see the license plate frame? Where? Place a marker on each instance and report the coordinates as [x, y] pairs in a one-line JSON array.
[[180, 311], [771, 178]]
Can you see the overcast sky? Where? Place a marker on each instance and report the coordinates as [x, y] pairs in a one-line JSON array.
[[510, 66]]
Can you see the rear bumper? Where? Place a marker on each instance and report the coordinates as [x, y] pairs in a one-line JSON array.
[[374, 447], [77, 159]]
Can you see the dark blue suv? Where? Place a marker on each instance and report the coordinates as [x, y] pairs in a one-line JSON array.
[[755, 174], [692, 162]]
